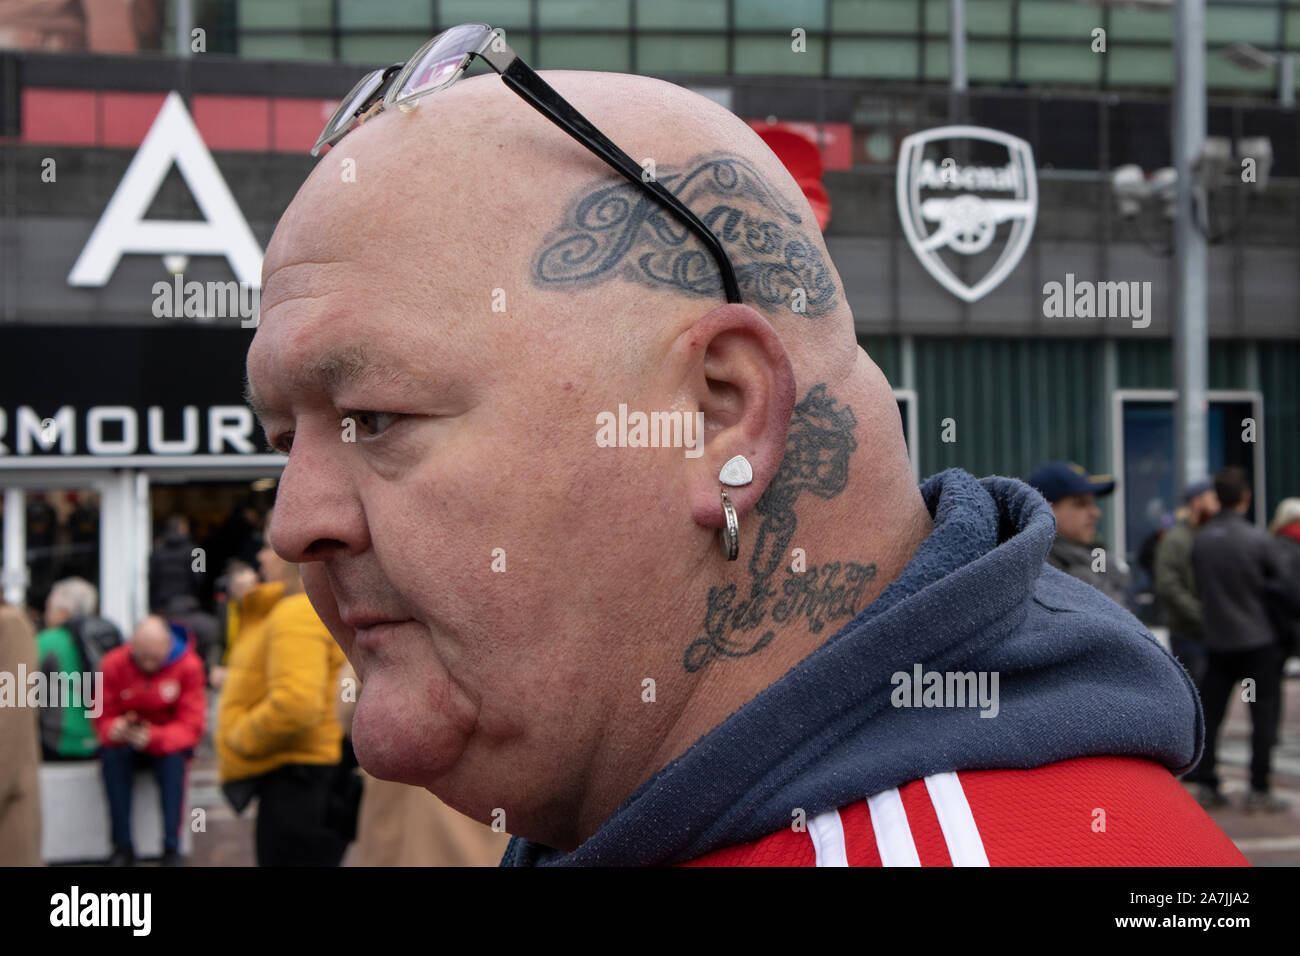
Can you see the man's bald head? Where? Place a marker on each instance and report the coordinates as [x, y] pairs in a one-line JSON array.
[[151, 643], [477, 185]]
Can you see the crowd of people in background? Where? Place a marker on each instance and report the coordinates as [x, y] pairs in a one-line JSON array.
[[258, 677]]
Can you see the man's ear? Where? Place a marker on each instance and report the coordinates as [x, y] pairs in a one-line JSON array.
[[738, 373]]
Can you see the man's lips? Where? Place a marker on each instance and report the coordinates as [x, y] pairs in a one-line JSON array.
[[366, 622]]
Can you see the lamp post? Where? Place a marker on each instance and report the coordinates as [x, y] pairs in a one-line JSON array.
[[1191, 347]]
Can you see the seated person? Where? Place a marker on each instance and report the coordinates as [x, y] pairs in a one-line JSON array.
[[153, 710]]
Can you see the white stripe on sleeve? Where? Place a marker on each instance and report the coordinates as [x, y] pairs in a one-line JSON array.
[[893, 833], [965, 846], [827, 832]]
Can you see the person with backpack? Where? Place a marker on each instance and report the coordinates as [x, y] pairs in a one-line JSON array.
[[72, 645]]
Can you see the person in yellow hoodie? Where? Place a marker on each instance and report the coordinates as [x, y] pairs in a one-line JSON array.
[[277, 733]]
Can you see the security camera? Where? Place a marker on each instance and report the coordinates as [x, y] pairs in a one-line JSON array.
[[1164, 186], [1214, 160], [1130, 188], [1260, 149]]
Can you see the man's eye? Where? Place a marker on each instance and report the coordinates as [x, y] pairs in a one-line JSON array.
[[371, 423]]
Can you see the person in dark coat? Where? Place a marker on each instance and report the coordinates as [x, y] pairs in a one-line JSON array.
[[171, 565], [1236, 565], [1073, 494], [1175, 582]]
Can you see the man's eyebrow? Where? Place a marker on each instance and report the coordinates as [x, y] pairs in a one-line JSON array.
[[326, 374]]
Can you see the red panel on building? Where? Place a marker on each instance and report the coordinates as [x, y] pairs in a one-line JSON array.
[[233, 122], [126, 117], [298, 122], [58, 117]]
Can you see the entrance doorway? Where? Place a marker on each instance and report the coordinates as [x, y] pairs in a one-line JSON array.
[[103, 524], [1144, 456]]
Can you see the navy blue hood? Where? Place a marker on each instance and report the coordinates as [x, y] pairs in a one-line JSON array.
[[1078, 676]]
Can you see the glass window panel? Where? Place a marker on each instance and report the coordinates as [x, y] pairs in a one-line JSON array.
[[368, 15], [877, 16], [773, 55], [681, 54], [379, 49], [1140, 25], [988, 62], [783, 15], [582, 13], [1140, 67], [936, 16], [291, 47], [1059, 62], [567, 51], [1240, 25], [936, 60], [988, 16], [1293, 29], [496, 13], [982, 16], [1053, 18], [1220, 74], [895, 59], [269, 14], [684, 15]]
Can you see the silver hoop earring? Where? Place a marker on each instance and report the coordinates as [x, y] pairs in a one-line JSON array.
[[737, 473], [729, 537]]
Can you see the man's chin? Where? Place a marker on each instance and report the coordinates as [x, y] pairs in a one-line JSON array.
[[394, 740]]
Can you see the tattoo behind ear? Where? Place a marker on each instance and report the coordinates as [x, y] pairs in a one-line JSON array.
[[817, 450]]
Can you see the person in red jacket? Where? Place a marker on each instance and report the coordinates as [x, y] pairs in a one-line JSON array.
[[154, 704]]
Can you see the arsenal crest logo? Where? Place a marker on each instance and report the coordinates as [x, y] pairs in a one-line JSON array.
[[954, 208]]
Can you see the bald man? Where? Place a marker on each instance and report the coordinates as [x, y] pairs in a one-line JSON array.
[[154, 705], [457, 305]]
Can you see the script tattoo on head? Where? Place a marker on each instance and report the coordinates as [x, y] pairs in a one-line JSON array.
[[817, 450], [621, 231]]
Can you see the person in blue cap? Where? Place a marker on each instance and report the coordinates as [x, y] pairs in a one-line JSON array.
[[1073, 493], [1175, 581]]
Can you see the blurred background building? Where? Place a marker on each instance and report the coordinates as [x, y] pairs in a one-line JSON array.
[[113, 417]]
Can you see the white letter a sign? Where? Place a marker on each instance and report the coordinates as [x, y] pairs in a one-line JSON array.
[[173, 137]]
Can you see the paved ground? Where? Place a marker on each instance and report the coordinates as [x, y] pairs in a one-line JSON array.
[[1266, 839], [1271, 839]]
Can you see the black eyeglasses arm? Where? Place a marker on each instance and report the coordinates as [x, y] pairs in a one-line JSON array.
[[525, 81]]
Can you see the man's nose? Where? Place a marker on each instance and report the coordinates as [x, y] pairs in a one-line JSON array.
[[316, 509]]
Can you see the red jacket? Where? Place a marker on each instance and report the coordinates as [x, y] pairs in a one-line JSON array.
[[1089, 811], [173, 699]]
